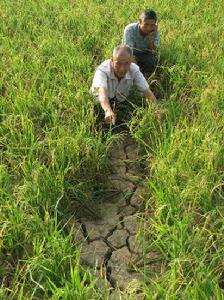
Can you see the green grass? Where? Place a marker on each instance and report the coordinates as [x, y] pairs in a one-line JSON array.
[[52, 156]]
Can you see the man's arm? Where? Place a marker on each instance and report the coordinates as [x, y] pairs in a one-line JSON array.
[[141, 83], [150, 96], [99, 89], [154, 39], [155, 108], [105, 104]]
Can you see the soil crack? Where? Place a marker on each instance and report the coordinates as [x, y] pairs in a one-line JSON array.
[[112, 239]]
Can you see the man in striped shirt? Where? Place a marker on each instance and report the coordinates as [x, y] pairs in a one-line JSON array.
[[114, 78], [143, 38]]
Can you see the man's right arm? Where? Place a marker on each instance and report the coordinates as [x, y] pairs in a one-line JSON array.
[[154, 39], [143, 86], [99, 89], [105, 104]]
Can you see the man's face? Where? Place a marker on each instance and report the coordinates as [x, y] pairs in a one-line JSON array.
[[121, 65], [147, 25]]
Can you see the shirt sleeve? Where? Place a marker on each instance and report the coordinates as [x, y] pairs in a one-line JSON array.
[[99, 81], [128, 37], [140, 82], [156, 39]]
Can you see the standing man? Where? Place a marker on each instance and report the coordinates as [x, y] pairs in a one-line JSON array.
[[114, 78], [143, 39]]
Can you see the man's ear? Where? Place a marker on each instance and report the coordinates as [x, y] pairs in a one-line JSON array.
[[112, 58]]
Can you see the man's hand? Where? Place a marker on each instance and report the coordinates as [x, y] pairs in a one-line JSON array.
[[155, 29], [152, 37], [155, 110], [153, 104], [150, 96], [105, 104], [110, 117]]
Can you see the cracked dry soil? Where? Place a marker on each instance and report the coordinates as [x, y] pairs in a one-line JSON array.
[[109, 243]]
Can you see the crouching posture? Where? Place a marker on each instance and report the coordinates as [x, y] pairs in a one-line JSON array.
[[143, 39], [114, 78]]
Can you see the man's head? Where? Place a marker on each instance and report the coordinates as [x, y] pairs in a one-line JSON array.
[[147, 21], [121, 60]]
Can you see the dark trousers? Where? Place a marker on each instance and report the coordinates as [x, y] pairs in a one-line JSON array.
[[146, 61]]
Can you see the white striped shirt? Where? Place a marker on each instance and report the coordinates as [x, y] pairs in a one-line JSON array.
[[105, 78]]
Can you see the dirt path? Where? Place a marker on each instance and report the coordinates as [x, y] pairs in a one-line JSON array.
[[109, 244]]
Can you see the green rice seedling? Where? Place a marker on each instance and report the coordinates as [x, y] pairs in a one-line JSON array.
[[53, 154]]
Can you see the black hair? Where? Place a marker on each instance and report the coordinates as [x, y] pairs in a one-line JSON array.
[[148, 14]]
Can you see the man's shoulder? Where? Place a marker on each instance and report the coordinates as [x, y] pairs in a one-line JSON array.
[[104, 66], [132, 26], [134, 68]]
